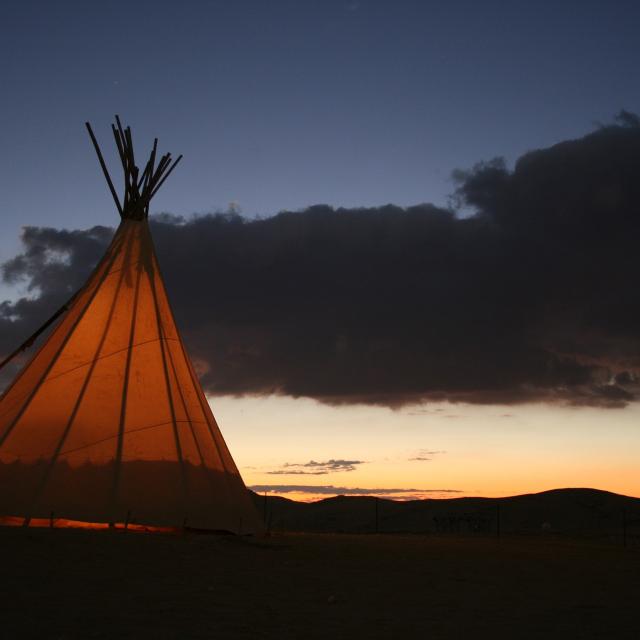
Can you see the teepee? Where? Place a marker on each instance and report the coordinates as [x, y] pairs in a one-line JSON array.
[[108, 424]]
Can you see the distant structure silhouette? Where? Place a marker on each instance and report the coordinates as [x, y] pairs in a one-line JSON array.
[[108, 423]]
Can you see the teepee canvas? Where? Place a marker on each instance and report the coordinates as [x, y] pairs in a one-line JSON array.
[[108, 422]]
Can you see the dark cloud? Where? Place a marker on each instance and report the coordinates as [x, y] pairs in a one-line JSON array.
[[293, 472], [313, 468], [531, 298], [345, 491], [425, 455]]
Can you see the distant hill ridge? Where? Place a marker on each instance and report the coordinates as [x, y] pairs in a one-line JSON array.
[[571, 511]]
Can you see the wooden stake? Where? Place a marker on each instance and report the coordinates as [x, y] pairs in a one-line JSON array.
[[376, 502]]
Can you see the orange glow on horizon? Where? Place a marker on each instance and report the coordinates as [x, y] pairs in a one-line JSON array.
[[480, 451]]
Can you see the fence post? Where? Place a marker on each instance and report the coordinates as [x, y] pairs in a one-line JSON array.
[[264, 509]]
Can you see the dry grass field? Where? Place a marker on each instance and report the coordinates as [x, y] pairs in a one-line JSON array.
[[88, 584]]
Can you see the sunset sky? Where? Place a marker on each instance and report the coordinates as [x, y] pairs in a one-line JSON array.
[[283, 105]]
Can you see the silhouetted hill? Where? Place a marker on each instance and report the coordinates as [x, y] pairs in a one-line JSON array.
[[564, 511]]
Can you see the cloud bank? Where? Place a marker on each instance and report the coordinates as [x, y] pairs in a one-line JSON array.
[[531, 298]]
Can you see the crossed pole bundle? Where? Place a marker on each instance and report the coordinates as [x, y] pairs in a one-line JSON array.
[[138, 191]]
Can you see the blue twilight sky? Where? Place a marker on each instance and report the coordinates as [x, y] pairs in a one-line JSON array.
[[283, 104], [280, 104]]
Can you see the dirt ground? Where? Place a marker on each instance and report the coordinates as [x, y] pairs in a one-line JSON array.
[[89, 584]]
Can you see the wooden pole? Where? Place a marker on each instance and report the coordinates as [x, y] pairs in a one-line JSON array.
[[166, 175], [498, 520], [30, 340], [104, 167], [376, 499], [264, 509]]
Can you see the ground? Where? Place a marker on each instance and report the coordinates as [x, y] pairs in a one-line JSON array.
[[91, 584]]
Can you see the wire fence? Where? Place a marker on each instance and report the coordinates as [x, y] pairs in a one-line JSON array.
[[614, 524]]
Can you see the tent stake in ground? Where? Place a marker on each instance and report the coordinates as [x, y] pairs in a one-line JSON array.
[[109, 418]]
